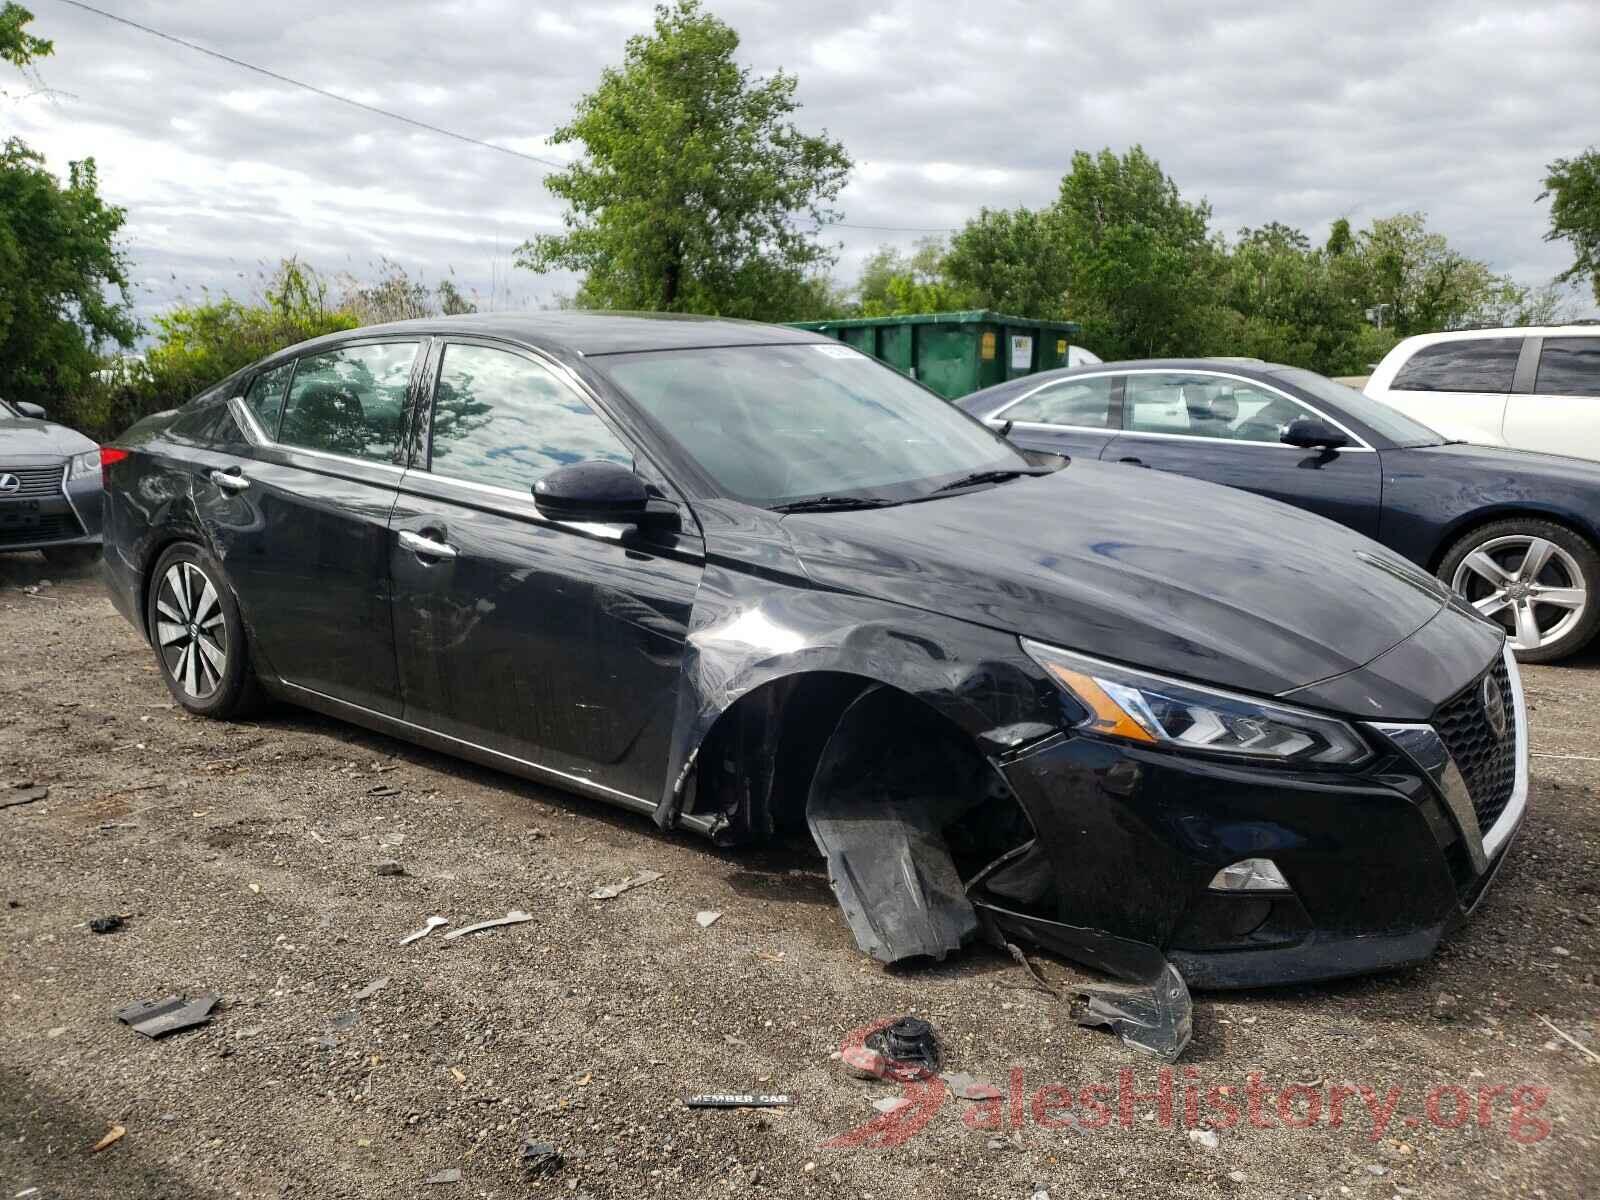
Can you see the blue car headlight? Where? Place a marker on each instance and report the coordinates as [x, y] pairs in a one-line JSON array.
[[1136, 706]]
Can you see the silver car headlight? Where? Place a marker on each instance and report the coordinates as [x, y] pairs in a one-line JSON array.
[[87, 463], [1136, 706]]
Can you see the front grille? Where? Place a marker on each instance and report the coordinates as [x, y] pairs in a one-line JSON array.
[[36, 482], [54, 528], [1488, 763]]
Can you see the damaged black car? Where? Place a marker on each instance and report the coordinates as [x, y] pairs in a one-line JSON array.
[[752, 582]]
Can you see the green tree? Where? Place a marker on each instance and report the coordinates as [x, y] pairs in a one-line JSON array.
[[1139, 262], [696, 189], [1573, 186], [395, 296], [1010, 261], [63, 280], [17, 46], [1412, 280], [895, 283]]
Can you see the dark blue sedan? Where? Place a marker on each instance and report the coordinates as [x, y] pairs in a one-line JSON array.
[[1516, 533]]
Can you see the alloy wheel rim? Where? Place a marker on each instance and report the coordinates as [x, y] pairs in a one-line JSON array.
[[1528, 584], [190, 630]]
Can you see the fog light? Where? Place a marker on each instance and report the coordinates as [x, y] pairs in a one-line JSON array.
[[1250, 875]]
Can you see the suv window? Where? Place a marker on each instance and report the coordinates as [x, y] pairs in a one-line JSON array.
[[506, 420], [1082, 402], [350, 401], [1469, 365], [1207, 406], [1569, 367], [265, 396]]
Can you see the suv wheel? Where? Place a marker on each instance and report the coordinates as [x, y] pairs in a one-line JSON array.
[[1538, 579], [198, 635]]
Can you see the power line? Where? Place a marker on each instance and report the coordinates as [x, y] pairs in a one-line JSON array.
[[401, 117]]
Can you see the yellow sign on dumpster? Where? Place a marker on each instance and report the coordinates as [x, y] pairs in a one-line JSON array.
[[986, 347]]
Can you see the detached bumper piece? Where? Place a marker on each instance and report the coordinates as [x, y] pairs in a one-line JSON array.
[[157, 1018], [1157, 1017]]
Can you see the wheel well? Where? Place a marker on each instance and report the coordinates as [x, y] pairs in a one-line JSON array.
[[1480, 520], [755, 766]]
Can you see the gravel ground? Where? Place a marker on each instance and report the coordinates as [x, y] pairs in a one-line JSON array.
[[242, 857]]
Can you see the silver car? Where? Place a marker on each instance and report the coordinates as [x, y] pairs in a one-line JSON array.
[[49, 487]]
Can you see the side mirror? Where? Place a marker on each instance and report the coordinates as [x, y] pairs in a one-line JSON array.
[[30, 410], [604, 492], [1312, 433]]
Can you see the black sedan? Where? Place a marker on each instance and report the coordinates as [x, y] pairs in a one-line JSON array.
[[1516, 533], [49, 487], [750, 581]]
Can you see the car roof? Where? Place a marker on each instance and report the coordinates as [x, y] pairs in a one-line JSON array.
[[1589, 329], [1252, 368], [590, 333]]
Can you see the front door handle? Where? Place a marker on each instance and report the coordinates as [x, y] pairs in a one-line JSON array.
[[230, 480], [1134, 462], [426, 546]]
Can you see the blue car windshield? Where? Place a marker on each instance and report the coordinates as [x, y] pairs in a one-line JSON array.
[[1377, 416], [776, 424]]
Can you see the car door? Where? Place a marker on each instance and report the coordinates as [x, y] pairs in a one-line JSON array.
[[301, 516], [1225, 429], [1555, 406], [1459, 386], [1067, 416], [556, 644]]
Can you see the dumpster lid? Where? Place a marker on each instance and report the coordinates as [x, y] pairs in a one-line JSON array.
[[970, 316]]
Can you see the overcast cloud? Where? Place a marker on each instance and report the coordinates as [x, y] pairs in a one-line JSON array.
[[1297, 113]]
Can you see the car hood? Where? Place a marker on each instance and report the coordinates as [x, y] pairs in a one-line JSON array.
[[1176, 575], [21, 436]]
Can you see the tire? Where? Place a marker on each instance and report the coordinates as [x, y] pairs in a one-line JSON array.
[[1549, 616], [70, 556], [189, 585]]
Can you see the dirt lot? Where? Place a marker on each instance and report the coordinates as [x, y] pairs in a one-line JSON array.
[[243, 857]]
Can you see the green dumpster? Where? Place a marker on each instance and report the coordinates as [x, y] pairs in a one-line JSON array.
[[955, 353]]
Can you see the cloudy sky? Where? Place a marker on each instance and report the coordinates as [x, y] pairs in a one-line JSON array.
[[1297, 112]]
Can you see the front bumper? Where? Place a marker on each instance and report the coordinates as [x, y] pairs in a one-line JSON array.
[[1380, 861], [48, 509]]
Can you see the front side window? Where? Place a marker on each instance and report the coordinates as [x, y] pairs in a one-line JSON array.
[[1085, 403], [773, 425], [1569, 367], [350, 401], [265, 397], [1464, 365], [1208, 406], [505, 420]]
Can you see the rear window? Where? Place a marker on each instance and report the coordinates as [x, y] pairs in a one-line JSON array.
[[1469, 365], [1569, 367]]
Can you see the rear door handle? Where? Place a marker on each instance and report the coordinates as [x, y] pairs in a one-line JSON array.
[[231, 480], [426, 546], [1134, 462]]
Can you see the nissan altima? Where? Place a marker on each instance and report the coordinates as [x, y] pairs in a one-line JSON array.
[[751, 582], [1515, 532]]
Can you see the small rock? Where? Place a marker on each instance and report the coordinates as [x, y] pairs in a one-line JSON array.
[[1376, 1169], [1560, 951], [889, 1104], [1238, 1177], [1444, 1006], [707, 919], [388, 866], [809, 1167], [453, 1175], [1204, 1138], [105, 924]]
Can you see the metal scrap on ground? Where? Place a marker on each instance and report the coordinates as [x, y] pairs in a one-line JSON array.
[[157, 1018], [515, 917], [612, 890], [372, 989], [539, 1158], [432, 924]]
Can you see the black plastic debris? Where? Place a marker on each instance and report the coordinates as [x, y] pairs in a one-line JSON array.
[[539, 1158], [739, 1100], [1157, 1017], [157, 1018], [908, 1046], [105, 924]]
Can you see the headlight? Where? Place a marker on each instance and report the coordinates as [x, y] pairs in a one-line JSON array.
[[1138, 707], [84, 464]]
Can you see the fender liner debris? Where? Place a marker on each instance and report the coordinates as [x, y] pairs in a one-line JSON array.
[[157, 1018]]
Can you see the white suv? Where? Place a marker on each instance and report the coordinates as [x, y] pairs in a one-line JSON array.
[[1536, 388]]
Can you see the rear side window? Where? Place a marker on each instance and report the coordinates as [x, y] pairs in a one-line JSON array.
[[505, 420], [265, 397], [210, 424], [1472, 365], [1085, 403], [350, 401], [1569, 367]]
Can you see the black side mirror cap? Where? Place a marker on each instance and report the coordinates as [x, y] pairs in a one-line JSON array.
[[30, 410], [1313, 433], [603, 492]]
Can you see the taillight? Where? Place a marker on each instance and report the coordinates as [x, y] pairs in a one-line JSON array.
[[109, 455]]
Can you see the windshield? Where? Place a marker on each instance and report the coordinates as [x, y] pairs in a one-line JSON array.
[[772, 425], [7, 411], [1374, 414]]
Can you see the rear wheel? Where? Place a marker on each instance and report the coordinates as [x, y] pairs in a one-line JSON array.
[[198, 636], [1541, 581], [70, 556]]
